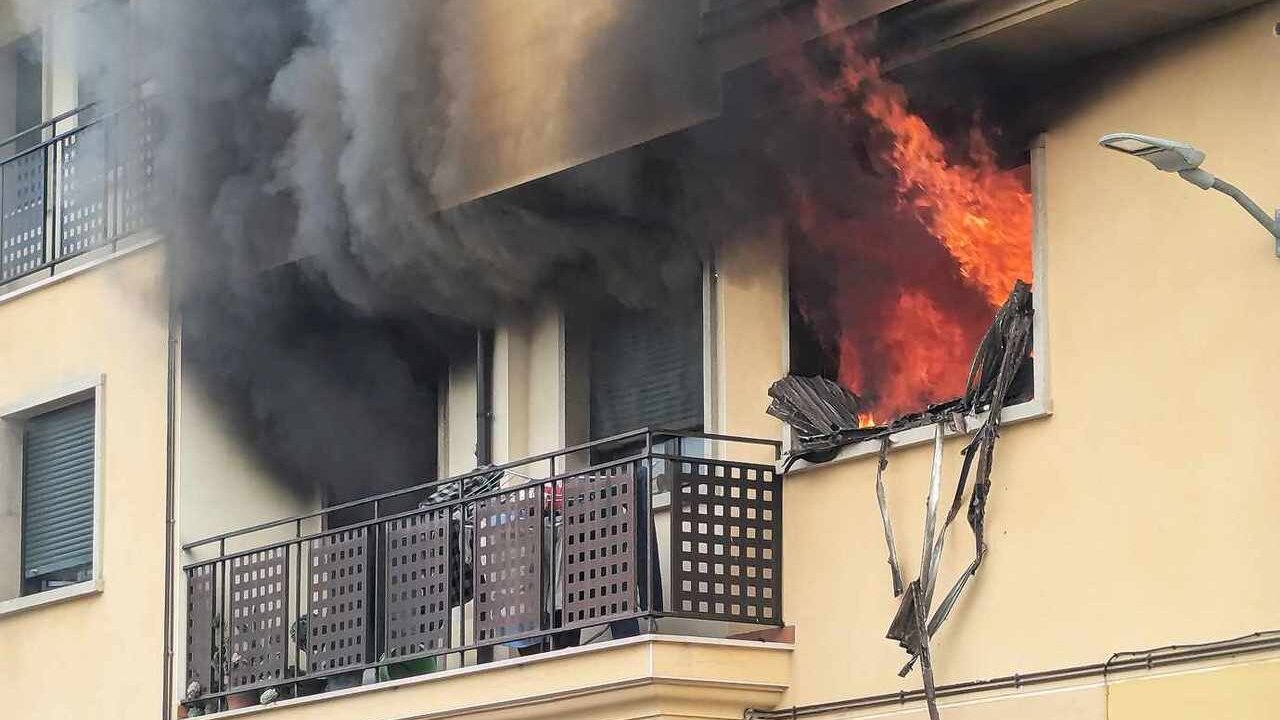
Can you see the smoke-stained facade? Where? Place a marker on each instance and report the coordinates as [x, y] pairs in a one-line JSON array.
[[354, 191]]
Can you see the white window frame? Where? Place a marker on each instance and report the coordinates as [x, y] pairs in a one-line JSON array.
[[1040, 406], [11, 418]]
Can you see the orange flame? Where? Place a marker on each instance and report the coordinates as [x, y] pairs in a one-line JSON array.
[[982, 214], [905, 344], [866, 420]]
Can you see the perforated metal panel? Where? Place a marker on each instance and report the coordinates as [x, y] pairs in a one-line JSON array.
[[259, 636], [82, 190], [599, 545], [508, 564], [419, 567], [339, 587], [22, 215], [201, 590], [137, 189], [727, 541]]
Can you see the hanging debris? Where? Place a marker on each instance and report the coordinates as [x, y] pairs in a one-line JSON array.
[[998, 372]]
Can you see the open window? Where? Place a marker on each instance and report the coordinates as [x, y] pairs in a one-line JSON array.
[[881, 305]]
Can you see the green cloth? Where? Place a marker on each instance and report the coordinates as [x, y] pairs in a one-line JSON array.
[[408, 668]]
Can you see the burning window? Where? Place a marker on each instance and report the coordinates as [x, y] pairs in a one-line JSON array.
[[904, 242]]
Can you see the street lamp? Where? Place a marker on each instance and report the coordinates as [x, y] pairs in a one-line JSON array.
[[1173, 156]]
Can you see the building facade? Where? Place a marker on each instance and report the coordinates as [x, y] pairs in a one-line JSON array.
[[606, 522]]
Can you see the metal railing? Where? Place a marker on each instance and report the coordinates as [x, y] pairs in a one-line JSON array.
[[71, 191], [443, 573]]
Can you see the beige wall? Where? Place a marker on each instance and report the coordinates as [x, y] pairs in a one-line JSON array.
[[1143, 511], [99, 653]]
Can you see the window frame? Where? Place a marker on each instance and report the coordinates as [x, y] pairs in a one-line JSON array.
[[12, 419], [1041, 404]]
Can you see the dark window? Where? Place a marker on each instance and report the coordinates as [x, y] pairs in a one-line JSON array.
[[57, 498], [646, 369]]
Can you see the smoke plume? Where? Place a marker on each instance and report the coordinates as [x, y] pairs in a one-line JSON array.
[[306, 149]]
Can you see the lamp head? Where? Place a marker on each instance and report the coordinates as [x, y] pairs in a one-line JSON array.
[[1166, 155]]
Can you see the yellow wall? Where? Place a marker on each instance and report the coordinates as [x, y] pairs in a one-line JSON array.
[[1143, 511], [100, 653], [1239, 692]]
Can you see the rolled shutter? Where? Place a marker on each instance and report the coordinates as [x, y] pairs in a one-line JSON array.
[[57, 496], [646, 371]]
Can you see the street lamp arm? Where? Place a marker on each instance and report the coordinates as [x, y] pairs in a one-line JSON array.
[[1262, 216]]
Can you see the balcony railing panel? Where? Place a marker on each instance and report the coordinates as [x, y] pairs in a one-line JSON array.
[[77, 189], [727, 541], [493, 558]]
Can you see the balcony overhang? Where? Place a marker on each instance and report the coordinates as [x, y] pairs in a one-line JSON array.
[[1034, 35], [650, 676]]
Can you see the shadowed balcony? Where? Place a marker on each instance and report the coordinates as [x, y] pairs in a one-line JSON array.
[[628, 535]]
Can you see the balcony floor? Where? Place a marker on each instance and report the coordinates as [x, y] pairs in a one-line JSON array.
[[650, 676]]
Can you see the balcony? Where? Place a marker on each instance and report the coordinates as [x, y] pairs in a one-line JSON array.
[[72, 185], [647, 532]]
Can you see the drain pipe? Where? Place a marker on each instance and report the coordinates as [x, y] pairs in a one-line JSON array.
[[170, 465], [484, 397]]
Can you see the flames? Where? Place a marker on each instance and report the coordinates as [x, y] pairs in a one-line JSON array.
[[904, 341]]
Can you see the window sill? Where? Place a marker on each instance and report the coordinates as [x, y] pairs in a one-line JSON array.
[[50, 597], [911, 437]]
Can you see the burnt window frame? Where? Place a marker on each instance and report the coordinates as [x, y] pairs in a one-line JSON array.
[[1041, 403]]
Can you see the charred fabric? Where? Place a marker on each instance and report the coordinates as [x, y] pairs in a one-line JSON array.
[[825, 417]]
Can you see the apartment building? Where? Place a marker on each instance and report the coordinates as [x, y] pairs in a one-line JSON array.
[[283, 495]]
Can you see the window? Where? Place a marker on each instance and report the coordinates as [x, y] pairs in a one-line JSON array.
[[645, 369], [57, 498], [21, 90], [882, 306], [49, 497]]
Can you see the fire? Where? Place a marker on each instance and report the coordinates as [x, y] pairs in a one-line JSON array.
[[904, 319], [981, 213], [866, 420]]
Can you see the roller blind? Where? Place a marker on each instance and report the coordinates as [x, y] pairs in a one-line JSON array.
[[646, 371], [57, 490]]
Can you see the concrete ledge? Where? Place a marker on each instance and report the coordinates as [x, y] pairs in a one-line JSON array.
[[651, 676], [50, 597]]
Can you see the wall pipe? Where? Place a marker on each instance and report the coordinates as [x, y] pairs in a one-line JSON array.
[[1118, 662], [170, 514], [484, 397]]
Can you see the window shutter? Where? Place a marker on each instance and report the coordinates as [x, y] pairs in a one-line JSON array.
[[646, 371], [57, 497]]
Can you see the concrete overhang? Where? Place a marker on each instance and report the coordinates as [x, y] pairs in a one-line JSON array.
[[1027, 34], [651, 676], [1034, 35]]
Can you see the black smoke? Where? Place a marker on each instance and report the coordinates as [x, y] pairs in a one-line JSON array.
[[306, 149]]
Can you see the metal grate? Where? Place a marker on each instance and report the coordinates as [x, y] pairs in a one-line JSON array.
[[508, 564], [727, 542], [137, 173], [201, 590], [258, 633], [82, 195], [339, 586], [418, 583], [599, 545], [22, 215]]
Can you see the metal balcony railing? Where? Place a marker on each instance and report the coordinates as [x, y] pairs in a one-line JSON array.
[[441, 574], [67, 192]]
